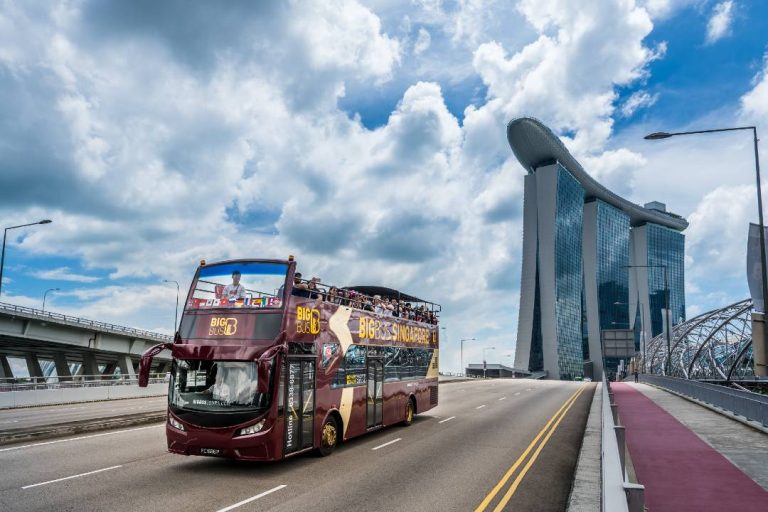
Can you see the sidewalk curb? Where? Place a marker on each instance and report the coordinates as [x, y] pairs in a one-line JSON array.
[[585, 495], [728, 414], [12, 436]]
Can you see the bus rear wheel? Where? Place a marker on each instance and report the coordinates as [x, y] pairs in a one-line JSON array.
[[329, 437], [410, 412]]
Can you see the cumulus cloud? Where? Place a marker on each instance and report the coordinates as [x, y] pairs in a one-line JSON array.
[[422, 42], [719, 24], [638, 100], [64, 274], [754, 104]]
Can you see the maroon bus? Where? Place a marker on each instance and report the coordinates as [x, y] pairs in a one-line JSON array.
[[265, 367]]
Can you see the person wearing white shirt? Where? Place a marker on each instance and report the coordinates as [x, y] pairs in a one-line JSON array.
[[235, 290]]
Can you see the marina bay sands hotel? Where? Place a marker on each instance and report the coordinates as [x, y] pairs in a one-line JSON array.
[[594, 264]]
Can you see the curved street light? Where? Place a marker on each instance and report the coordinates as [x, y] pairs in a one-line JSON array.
[[5, 234], [46, 294], [763, 265]]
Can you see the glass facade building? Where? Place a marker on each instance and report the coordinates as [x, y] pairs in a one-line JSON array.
[[568, 228], [612, 266], [580, 244], [666, 249]]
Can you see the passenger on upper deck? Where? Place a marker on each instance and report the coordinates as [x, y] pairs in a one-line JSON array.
[[299, 286], [235, 290]]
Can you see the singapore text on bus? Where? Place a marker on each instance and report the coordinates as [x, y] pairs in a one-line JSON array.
[[267, 364]]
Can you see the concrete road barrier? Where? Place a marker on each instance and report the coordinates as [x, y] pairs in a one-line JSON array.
[[10, 399]]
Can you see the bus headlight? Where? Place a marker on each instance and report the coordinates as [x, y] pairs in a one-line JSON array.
[[175, 424], [251, 430]]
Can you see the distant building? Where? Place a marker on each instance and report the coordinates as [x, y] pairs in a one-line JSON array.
[[580, 241]]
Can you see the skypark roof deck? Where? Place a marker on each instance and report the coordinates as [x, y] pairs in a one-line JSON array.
[[535, 145]]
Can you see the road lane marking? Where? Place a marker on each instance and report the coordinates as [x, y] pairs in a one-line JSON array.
[[517, 394], [79, 438], [71, 477], [387, 444], [512, 488], [480, 406], [491, 495], [502, 398], [447, 419], [253, 498]]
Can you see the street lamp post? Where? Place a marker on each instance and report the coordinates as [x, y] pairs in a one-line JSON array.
[[484, 364], [763, 265], [462, 351], [176, 311], [668, 364], [5, 234], [46, 293]]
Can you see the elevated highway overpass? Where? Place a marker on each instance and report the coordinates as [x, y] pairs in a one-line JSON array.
[[67, 347]]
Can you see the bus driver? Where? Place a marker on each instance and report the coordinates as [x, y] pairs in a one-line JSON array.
[[235, 290]]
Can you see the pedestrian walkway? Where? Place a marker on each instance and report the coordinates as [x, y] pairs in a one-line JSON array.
[[679, 470]]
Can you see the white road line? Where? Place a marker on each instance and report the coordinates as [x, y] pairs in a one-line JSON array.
[[78, 438], [503, 398], [480, 406], [71, 477], [517, 394], [387, 444], [254, 498], [447, 419]]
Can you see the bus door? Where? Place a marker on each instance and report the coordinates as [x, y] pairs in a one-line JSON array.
[[375, 380], [299, 389]]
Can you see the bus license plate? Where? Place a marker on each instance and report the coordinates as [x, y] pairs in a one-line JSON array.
[[210, 451]]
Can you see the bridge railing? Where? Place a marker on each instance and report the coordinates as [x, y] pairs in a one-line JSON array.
[[618, 493], [79, 381], [82, 322], [752, 406]]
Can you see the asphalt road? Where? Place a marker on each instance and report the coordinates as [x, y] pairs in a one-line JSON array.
[[519, 438]]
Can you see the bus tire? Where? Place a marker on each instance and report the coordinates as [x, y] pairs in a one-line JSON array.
[[329, 436], [410, 412]]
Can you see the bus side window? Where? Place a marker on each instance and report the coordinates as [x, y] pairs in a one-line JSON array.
[[352, 369]]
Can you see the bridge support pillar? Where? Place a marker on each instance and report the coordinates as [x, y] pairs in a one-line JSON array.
[[126, 366], [90, 367], [62, 367], [109, 370], [5, 368], [33, 366], [164, 367]]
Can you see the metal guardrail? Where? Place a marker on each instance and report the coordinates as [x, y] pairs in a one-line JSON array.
[[82, 322], [752, 406], [618, 494], [80, 381]]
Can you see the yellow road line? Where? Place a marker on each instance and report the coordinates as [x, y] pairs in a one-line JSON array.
[[533, 458], [484, 504]]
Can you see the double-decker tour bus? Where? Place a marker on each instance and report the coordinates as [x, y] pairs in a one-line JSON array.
[[267, 365]]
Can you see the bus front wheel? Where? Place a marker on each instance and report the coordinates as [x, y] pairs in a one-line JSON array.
[[410, 411], [329, 437]]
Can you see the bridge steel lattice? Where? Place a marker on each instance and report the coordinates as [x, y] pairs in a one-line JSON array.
[[715, 345]]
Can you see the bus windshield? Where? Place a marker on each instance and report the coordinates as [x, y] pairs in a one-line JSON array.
[[239, 284], [215, 386]]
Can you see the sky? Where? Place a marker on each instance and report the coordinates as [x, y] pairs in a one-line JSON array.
[[368, 139]]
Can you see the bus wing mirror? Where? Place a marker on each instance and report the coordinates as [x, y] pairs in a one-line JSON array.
[[145, 362], [262, 377]]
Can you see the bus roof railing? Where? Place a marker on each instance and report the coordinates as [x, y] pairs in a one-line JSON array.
[[370, 291]]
